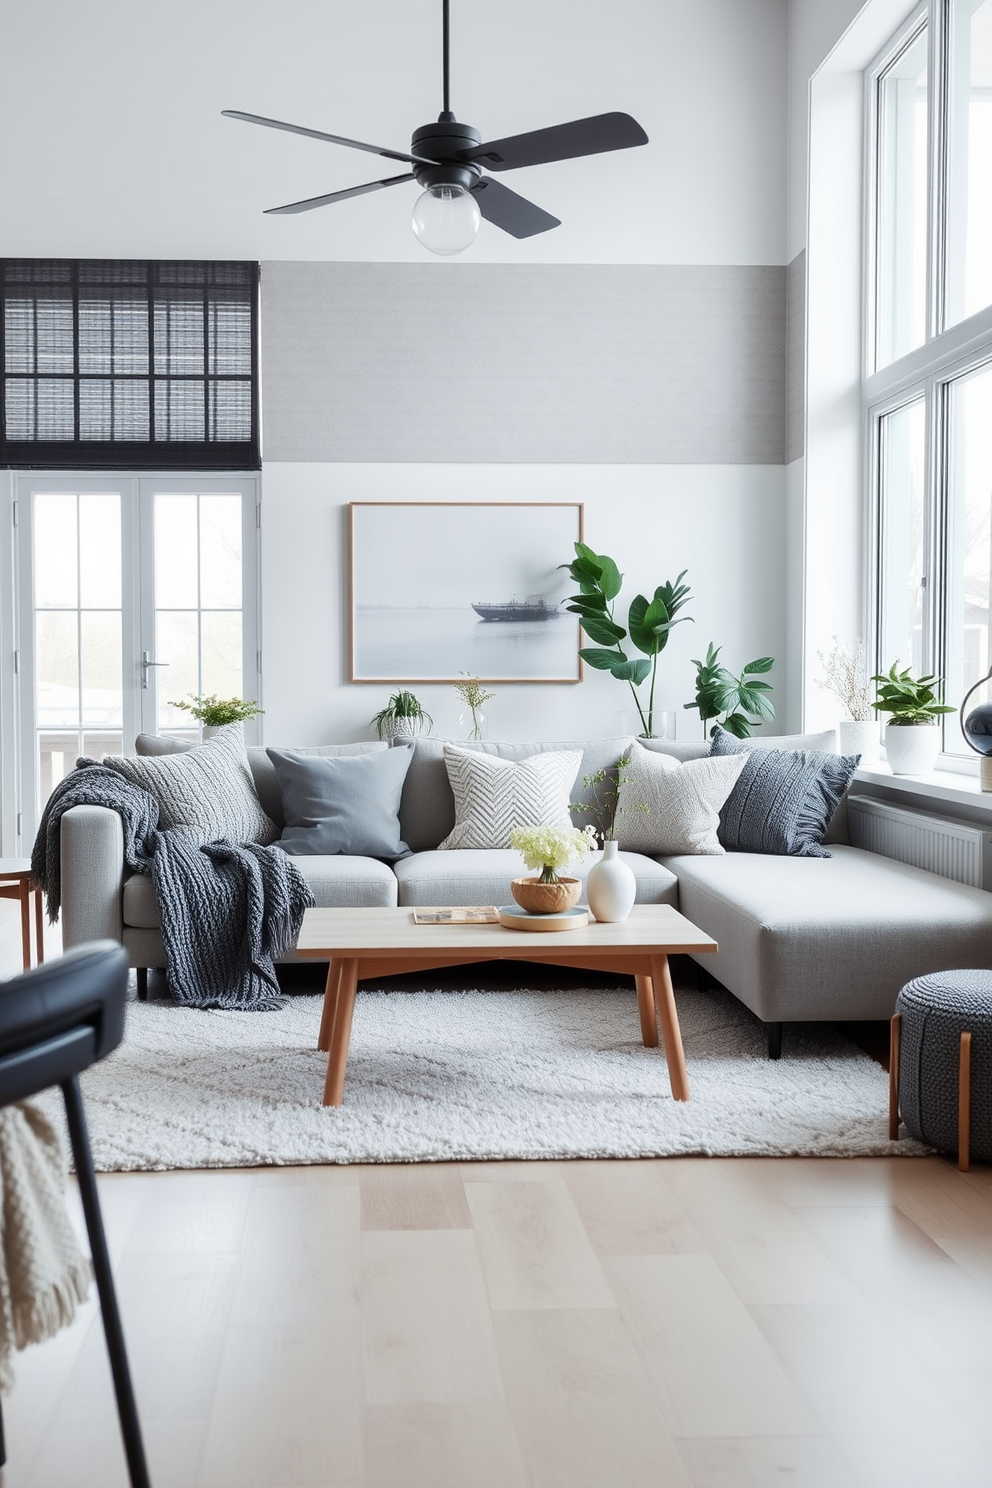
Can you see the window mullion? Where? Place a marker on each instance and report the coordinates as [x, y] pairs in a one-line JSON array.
[[937, 172]]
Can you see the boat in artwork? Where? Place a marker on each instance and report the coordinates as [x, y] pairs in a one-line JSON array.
[[518, 609]]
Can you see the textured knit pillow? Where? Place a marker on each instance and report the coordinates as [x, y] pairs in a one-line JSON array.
[[783, 800], [683, 801], [208, 791], [492, 796], [344, 805]]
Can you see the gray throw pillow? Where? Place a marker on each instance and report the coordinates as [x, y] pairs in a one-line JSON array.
[[207, 791], [345, 805], [783, 799]]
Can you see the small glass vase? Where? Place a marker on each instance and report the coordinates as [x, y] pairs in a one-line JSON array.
[[473, 724], [663, 724]]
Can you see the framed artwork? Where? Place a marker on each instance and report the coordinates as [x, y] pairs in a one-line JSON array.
[[439, 589]]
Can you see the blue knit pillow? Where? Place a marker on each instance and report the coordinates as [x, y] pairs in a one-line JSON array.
[[783, 799]]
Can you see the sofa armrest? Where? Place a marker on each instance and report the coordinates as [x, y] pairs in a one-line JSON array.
[[92, 875]]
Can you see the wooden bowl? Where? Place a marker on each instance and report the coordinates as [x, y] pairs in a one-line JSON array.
[[545, 898]]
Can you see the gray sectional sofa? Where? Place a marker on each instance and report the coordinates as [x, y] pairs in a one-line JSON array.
[[800, 938]]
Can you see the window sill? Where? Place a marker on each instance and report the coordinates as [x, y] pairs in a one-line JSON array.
[[941, 788]]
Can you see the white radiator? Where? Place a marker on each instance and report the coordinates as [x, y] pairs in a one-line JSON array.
[[953, 849]]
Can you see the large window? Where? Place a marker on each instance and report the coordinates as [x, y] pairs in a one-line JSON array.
[[928, 387]]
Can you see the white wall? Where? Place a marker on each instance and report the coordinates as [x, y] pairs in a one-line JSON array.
[[121, 150], [725, 524]]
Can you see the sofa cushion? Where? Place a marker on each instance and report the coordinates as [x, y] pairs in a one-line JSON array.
[[346, 806], [784, 799], [493, 796], [262, 768], [671, 806], [476, 877], [208, 792], [427, 808], [337, 882], [829, 938]]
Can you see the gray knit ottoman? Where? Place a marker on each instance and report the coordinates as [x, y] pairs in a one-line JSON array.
[[941, 1069]]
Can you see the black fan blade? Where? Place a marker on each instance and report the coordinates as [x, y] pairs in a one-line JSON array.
[[514, 214], [334, 139], [561, 142], [334, 196]]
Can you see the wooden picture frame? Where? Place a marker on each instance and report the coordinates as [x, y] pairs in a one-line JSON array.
[[444, 589]]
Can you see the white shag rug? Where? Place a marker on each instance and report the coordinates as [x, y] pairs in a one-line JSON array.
[[437, 1075]]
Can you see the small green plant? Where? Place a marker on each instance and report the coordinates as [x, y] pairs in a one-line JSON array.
[[404, 706], [735, 703], [552, 848], [473, 696], [907, 699], [605, 809], [649, 624], [214, 712]]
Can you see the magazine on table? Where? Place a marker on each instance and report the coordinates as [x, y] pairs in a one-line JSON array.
[[457, 914]]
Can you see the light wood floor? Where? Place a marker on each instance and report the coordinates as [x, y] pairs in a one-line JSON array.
[[693, 1323]]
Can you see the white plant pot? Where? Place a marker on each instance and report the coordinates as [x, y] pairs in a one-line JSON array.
[[912, 749], [860, 736], [611, 886], [211, 730]]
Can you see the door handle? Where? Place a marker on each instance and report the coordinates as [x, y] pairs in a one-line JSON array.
[[146, 662]]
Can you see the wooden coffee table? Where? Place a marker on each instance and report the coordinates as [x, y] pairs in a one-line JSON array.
[[364, 943]]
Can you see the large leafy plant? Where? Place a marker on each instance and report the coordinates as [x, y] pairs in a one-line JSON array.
[[735, 703], [908, 699], [649, 624]]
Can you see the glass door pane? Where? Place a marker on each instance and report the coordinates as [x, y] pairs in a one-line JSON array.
[[199, 558], [78, 628], [902, 450], [969, 543], [969, 160], [901, 230]]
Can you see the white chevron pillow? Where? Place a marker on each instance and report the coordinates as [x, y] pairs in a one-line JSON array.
[[492, 796]]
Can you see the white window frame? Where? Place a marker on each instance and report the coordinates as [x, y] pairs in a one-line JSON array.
[[18, 780], [928, 371]]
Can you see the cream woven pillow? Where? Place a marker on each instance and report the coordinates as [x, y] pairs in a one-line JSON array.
[[492, 796], [683, 801], [208, 791]]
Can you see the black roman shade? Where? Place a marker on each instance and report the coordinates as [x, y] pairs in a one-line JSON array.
[[128, 363]]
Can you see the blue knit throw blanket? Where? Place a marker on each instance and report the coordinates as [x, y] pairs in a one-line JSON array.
[[227, 909]]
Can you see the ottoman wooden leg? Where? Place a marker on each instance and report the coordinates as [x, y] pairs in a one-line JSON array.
[[895, 1036], [964, 1103]]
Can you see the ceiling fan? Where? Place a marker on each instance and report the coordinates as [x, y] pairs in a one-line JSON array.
[[449, 160]]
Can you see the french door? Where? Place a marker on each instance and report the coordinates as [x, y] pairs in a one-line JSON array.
[[134, 595]]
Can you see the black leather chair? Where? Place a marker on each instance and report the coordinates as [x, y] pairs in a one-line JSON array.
[[55, 1022]]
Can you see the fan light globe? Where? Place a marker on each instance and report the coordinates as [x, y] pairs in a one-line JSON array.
[[446, 219]]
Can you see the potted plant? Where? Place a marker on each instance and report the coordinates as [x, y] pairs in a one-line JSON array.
[[214, 712], [912, 734], [403, 717], [548, 849], [649, 624], [736, 704], [846, 676]]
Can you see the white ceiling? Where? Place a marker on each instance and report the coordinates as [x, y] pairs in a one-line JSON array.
[[114, 144]]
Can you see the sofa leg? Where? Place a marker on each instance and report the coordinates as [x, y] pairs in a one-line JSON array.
[[774, 1040], [142, 974]]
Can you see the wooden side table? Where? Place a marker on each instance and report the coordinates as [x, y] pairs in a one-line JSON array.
[[16, 883]]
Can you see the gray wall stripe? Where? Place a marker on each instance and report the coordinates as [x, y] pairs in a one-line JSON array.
[[795, 358], [529, 363]]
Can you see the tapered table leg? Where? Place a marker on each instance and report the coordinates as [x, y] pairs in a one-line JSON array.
[[25, 925], [39, 923], [671, 1034], [330, 1006], [341, 1037], [646, 1008]]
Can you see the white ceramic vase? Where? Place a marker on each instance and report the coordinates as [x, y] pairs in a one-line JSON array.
[[611, 886], [912, 749], [860, 736]]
